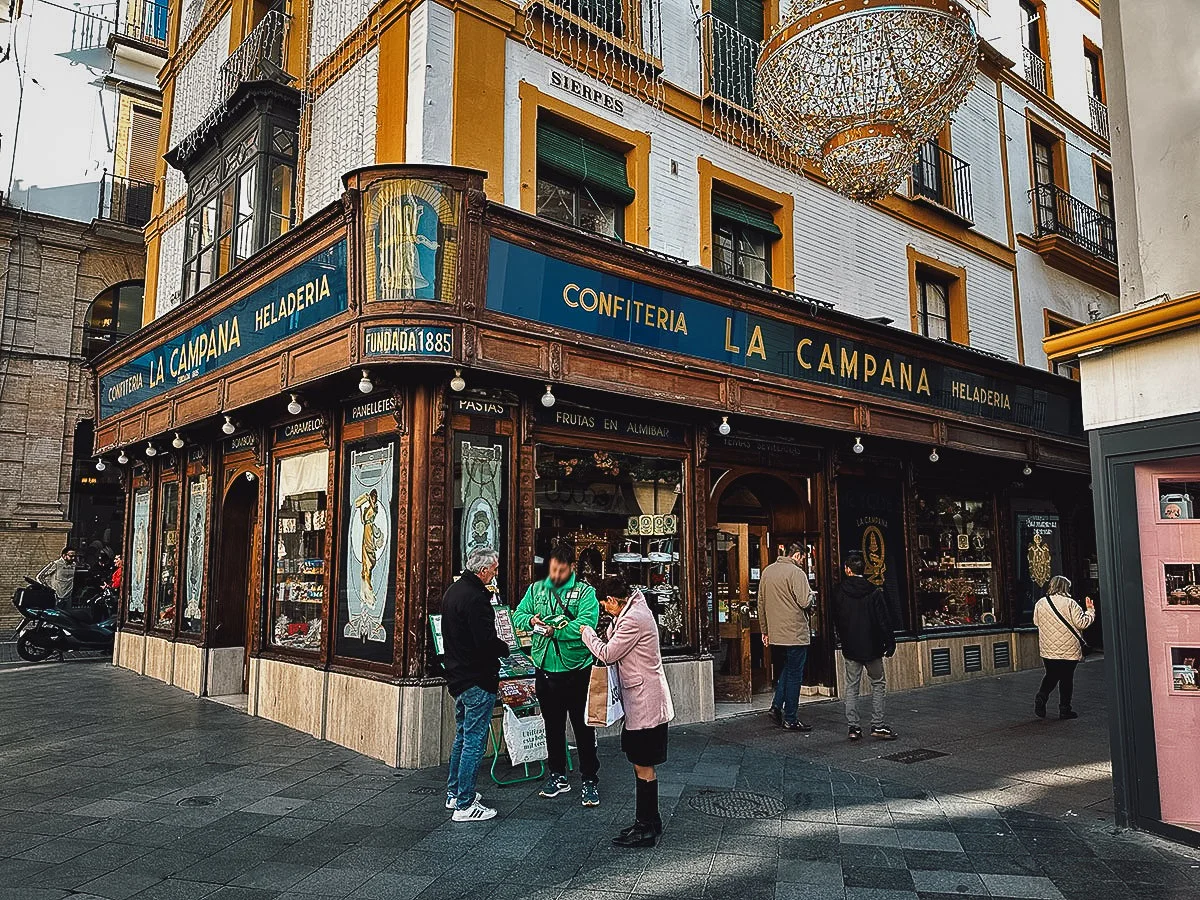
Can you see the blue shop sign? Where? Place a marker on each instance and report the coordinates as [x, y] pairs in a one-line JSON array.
[[405, 340], [533, 286], [308, 294]]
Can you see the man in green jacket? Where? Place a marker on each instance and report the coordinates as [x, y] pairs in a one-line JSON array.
[[554, 609]]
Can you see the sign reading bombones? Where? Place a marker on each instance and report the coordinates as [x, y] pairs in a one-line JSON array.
[[309, 293], [531, 285]]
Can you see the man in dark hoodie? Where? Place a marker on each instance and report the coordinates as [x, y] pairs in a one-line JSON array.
[[864, 628], [472, 665]]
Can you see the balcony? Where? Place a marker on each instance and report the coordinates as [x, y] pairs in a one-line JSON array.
[[1099, 116], [727, 60], [143, 21], [1035, 70], [942, 178], [1074, 237], [125, 201]]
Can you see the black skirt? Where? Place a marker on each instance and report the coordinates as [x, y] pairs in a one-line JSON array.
[[645, 746]]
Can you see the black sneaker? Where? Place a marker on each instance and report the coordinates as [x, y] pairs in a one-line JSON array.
[[775, 714], [883, 733], [796, 726], [1068, 714], [854, 733], [1039, 707]]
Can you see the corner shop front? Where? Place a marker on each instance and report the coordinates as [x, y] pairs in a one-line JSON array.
[[297, 558]]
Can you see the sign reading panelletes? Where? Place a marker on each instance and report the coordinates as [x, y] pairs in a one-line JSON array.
[[306, 295], [533, 286]]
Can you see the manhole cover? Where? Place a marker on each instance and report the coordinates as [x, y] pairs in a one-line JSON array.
[[909, 757], [736, 805], [199, 801]]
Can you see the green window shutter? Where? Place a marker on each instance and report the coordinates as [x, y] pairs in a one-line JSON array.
[[744, 15], [583, 163], [742, 214]]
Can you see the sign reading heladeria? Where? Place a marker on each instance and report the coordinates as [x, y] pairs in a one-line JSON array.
[[531, 285], [306, 295]]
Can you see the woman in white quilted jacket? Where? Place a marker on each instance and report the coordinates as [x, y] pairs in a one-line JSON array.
[[1060, 624]]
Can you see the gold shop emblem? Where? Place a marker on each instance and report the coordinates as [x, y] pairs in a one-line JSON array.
[[873, 550], [412, 240], [1038, 557]]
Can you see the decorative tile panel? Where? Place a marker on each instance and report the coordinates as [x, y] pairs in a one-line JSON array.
[[342, 135], [195, 88], [170, 269], [332, 22]]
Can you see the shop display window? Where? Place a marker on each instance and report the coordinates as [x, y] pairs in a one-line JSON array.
[[193, 554], [1178, 499], [301, 519], [1185, 669], [957, 583], [168, 555], [1182, 582], [624, 515], [139, 554]]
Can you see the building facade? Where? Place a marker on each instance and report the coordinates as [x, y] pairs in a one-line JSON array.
[[1143, 420], [612, 145]]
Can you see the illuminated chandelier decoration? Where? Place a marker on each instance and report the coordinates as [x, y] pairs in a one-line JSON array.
[[856, 86]]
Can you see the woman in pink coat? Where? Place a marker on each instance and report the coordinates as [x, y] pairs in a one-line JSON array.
[[631, 644]]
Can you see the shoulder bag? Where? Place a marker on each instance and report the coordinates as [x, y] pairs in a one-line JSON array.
[[1084, 646]]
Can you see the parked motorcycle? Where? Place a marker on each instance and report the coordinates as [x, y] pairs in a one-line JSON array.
[[51, 628]]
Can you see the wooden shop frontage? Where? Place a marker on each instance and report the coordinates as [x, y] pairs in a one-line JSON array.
[[315, 441]]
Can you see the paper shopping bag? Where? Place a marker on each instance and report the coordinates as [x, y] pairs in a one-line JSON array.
[[604, 697], [525, 737]]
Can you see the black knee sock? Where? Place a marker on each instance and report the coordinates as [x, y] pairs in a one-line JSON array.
[[647, 803]]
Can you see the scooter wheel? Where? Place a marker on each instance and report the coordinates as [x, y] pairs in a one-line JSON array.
[[31, 652]]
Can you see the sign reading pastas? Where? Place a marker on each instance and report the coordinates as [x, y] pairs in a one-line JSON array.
[[419, 340], [609, 423], [530, 285], [309, 293]]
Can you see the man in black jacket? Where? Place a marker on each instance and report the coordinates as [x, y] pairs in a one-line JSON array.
[[472, 666], [864, 627]]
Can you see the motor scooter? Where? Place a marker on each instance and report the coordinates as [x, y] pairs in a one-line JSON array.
[[50, 627]]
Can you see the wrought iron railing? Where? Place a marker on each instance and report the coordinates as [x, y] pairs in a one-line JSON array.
[[141, 20], [727, 60], [942, 177], [1099, 116], [125, 200], [1057, 212], [1035, 70], [632, 24]]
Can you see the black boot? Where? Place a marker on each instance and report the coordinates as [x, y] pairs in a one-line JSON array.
[[1039, 706], [648, 824]]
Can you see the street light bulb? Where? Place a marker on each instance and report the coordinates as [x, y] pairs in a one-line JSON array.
[[178, 442], [151, 450], [933, 455], [724, 427], [228, 427], [365, 385], [295, 406], [249, 476], [1028, 470], [858, 445], [121, 457], [548, 398], [100, 467], [458, 383]]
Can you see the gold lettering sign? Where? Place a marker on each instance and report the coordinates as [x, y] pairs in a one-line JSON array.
[[411, 240]]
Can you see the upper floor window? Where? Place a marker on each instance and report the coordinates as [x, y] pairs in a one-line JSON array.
[[933, 306], [581, 182], [1031, 30], [742, 239], [939, 298], [607, 15], [240, 201], [1057, 324], [1104, 193], [115, 313], [1034, 45], [1095, 72]]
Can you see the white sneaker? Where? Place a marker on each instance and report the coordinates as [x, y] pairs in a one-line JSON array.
[[451, 803], [476, 812]]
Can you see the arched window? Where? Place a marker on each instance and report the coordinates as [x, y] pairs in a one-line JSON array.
[[115, 313]]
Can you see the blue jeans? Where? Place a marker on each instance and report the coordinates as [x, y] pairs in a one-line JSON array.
[[472, 718], [790, 675]]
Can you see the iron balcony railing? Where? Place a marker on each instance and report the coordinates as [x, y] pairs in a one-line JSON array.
[[942, 177], [1035, 69], [125, 200], [727, 60], [1057, 212], [1099, 116], [140, 20], [627, 24]]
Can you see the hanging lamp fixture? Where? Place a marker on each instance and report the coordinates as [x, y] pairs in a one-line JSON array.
[[857, 86]]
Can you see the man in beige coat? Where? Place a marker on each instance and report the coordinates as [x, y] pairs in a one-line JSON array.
[[784, 606]]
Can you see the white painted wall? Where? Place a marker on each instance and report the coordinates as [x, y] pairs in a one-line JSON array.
[[342, 133], [1138, 382], [430, 79], [330, 23]]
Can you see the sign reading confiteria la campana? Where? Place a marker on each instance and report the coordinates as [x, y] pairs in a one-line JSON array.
[[533, 286], [306, 295]]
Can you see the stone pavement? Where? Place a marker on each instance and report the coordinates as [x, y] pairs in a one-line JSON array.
[[114, 786]]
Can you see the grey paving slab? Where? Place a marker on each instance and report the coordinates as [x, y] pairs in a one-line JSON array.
[[1030, 886]]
